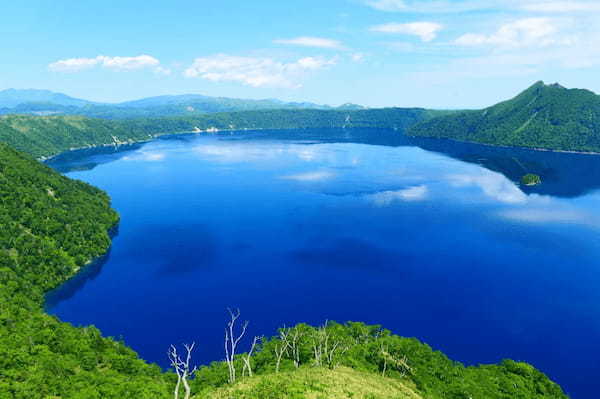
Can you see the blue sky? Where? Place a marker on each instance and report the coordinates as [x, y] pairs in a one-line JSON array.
[[429, 53]]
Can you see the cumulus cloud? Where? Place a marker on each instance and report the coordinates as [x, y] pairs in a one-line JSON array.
[[114, 63], [311, 176], [527, 32], [426, 31], [255, 71], [309, 41], [385, 198]]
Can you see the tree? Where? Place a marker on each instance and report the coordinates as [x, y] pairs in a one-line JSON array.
[[232, 341], [182, 368], [291, 337], [248, 357]]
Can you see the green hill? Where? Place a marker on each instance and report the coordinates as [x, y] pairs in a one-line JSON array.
[[43, 136], [543, 116], [51, 227], [313, 383]]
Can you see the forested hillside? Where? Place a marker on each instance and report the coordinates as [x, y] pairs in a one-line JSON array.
[[543, 116], [43, 136], [49, 135], [51, 227]]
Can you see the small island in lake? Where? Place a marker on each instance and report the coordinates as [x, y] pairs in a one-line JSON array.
[[531, 179]]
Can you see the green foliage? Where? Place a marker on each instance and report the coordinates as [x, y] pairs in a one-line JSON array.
[[375, 351], [49, 135], [531, 179], [51, 227], [543, 116], [43, 136]]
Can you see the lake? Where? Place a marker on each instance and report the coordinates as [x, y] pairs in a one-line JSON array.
[[429, 238]]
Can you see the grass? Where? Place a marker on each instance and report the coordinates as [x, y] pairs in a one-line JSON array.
[[316, 383]]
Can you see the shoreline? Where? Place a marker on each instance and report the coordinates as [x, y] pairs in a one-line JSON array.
[[539, 149], [216, 130]]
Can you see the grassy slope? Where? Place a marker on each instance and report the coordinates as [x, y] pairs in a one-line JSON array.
[[543, 116], [312, 383]]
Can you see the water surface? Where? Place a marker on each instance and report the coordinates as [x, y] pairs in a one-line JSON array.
[[429, 238]]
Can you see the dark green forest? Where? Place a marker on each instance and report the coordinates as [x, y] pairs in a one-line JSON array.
[[51, 227], [543, 117]]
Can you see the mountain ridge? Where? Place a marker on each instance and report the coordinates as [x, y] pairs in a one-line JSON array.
[[544, 116], [46, 102]]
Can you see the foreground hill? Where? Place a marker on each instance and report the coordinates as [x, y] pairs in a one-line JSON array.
[[43, 136], [543, 116], [52, 226], [315, 383]]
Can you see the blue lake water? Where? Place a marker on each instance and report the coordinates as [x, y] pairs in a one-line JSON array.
[[429, 238]]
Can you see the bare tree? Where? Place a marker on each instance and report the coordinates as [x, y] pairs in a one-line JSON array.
[[281, 349], [384, 354], [292, 337], [182, 368], [248, 356], [231, 342]]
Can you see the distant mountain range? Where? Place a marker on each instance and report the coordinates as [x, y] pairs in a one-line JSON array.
[[545, 116], [44, 102]]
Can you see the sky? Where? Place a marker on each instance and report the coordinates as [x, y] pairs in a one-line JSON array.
[[445, 54]]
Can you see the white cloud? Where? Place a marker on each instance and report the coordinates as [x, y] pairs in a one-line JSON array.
[[416, 193], [438, 6], [115, 63], [311, 176], [426, 31], [255, 71], [358, 57], [309, 41], [388, 5], [562, 6], [162, 71], [460, 6], [527, 32]]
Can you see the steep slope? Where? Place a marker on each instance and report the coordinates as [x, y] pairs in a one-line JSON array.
[[43, 136], [51, 227], [543, 116]]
